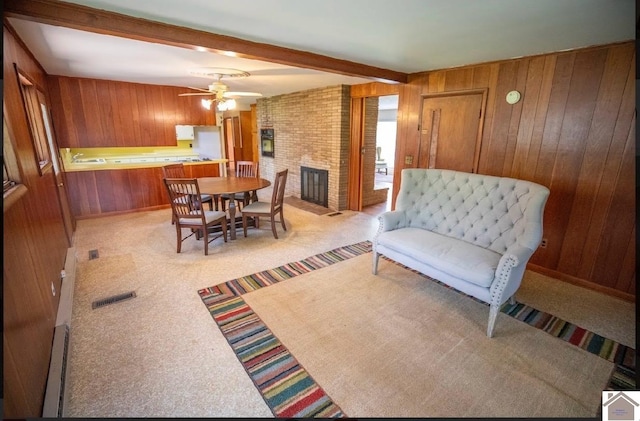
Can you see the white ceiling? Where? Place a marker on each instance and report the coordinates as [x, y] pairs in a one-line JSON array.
[[408, 36]]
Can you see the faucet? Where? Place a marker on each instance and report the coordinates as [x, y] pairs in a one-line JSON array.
[[74, 157]]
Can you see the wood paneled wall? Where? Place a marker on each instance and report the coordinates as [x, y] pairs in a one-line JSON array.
[[574, 132], [35, 247], [102, 113], [109, 192]]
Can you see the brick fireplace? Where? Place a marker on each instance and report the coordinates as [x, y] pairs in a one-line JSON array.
[[314, 185], [311, 130]]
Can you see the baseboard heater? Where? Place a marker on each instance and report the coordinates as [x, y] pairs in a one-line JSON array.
[[55, 396]]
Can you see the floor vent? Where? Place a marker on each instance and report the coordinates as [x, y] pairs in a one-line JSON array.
[[93, 254], [111, 300], [334, 214], [54, 395]]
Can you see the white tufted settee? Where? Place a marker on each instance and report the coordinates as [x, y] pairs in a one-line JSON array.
[[472, 232]]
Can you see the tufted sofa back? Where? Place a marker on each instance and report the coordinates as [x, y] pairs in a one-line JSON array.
[[488, 211]]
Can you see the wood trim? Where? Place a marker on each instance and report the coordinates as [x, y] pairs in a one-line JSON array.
[[11, 196], [374, 89], [433, 138], [582, 283], [354, 199], [109, 23]]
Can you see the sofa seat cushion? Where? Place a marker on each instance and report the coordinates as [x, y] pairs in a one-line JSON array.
[[455, 257]]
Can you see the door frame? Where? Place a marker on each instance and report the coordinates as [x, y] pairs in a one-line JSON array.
[[483, 108], [354, 197], [359, 93]]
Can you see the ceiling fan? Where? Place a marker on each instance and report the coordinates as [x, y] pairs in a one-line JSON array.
[[217, 89]]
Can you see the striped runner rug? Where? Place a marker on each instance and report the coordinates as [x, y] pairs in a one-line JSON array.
[[290, 391]]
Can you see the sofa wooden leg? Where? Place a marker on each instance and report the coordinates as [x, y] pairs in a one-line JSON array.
[[512, 299], [494, 309]]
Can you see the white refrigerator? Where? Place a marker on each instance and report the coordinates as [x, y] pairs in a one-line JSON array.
[[207, 142]]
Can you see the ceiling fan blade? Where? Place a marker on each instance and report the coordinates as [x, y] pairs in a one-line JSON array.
[[197, 93], [198, 89], [236, 94]]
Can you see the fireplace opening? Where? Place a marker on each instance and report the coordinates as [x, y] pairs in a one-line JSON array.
[[314, 185]]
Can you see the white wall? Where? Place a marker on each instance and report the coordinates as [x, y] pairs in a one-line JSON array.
[[386, 138]]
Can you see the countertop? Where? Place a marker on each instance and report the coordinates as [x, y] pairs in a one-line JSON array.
[[110, 165]]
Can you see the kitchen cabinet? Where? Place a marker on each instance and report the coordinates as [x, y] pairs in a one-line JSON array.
[[102, 192], [185, 132]]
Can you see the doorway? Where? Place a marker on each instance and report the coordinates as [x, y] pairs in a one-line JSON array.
[[386, 128], [373, 102]]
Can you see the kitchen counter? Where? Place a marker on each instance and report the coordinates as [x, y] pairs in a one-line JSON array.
[[120, 164], [124, 158]]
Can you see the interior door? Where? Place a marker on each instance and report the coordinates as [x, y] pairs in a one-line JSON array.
[[450, 131]]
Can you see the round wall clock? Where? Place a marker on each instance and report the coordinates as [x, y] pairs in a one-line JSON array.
[[513, 97]]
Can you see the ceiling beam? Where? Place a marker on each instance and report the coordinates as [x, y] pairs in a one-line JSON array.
[[58, 13]]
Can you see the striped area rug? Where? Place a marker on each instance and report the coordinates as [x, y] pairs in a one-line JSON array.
[[290, 391], [265, 278], [622, 356], [285, 385]]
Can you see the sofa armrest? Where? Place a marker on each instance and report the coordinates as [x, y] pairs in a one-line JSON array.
[[391, 220], [388, 221], [509, 273]]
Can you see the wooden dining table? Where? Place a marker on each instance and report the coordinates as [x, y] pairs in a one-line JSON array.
[[231, 185]]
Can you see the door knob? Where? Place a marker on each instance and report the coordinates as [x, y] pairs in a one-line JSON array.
[[60, 185]]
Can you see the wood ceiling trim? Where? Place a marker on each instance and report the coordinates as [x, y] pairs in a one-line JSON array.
[[88, 19]]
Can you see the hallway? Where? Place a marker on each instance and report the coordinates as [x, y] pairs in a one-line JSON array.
[[382, 181]]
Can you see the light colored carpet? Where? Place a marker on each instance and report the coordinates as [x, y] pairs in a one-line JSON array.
[[161, 354], [397, 345]]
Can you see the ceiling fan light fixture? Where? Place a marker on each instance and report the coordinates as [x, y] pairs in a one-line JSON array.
[[229, 104], [206, 103], [220, 92]]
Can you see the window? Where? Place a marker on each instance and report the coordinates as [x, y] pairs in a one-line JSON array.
[[36, 121], [12, 189]]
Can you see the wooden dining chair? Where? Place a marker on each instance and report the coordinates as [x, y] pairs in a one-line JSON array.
[[268, 209], [188, 212], [177, 171], [243, 169]]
